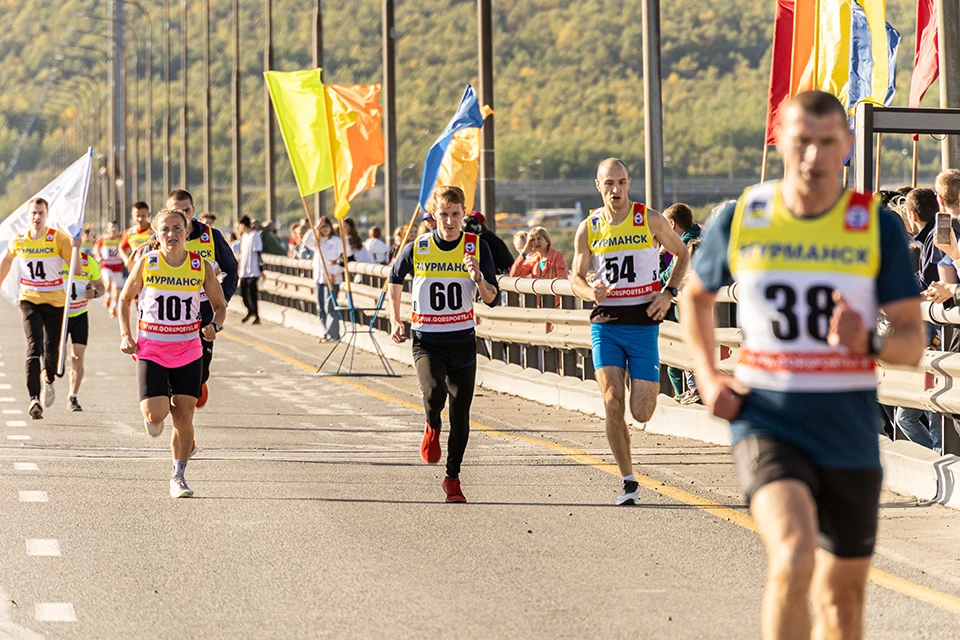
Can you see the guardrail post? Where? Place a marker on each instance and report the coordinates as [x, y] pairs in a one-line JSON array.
[[951, 436], [550, 361], [588, 371], [568, 364], [514, 354]]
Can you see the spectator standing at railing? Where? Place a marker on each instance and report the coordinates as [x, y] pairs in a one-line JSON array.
[[376, 247], [947, 186], [272, 245], [502, 258], [921, 208], [327, 289], [803, 407], [620, 242], [538, 258], [400, 236], [250, 249], [519, 240]]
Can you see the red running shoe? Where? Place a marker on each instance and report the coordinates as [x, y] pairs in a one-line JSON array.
[[451, 486], [202, 400], [430, 445]]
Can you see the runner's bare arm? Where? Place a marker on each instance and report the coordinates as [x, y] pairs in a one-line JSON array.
[[672, 243], [5, 265], [397, 328], [595, 292], [131, 289], [905, 343], [720, 393], [217, 302], [96, 288]]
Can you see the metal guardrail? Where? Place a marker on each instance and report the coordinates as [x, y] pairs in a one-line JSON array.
[[542, 325]]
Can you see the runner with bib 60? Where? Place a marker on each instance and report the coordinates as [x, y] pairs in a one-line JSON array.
[[450, 269]]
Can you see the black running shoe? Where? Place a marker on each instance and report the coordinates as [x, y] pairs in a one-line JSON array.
[[74, 405]]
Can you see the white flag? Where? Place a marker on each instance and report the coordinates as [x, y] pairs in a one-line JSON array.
[[67, 195]]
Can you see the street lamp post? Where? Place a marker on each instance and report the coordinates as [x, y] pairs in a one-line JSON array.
[[149, 71], [269, 178], [184, 124], [235, 103], [207, 170], [318, 64], [166, 98]]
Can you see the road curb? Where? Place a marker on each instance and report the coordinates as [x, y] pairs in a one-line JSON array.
[[908, 468]]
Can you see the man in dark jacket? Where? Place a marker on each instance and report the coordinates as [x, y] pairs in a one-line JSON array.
[[476, 222]]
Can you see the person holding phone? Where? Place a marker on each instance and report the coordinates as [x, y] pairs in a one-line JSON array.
[[815, 263]]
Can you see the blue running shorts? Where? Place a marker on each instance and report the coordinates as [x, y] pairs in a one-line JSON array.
[[620, 345]]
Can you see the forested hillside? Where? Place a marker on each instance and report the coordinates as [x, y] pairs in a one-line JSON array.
[[568, 81]]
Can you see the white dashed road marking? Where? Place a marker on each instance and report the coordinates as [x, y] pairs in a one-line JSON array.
[[18, 437], [54, 612], [34, 496], [5, 386], [43, 547], [7, 399], [13, 412], [16, 423], [25, 466]]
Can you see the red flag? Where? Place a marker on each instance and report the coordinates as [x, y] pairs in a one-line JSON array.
[[926, 60], [780, 66]]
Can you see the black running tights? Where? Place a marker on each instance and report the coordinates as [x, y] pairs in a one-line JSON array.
[[41, 324], [448, 369]]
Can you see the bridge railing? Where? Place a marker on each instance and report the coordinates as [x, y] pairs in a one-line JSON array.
[[540, 324]]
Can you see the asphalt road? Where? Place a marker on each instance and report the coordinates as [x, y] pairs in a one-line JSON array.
[[315, 518]]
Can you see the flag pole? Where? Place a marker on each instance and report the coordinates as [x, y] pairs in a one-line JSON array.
[[763, 163], [62, 356], [346, 271], [846, 176], [316, 236], [406, 234], [916, 158], [879, 156]]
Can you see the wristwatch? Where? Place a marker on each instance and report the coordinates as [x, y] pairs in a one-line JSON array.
[[672, 291], [216, 327], [875, 344]]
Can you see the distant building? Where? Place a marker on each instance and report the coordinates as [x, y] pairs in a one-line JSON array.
[[556, 218]]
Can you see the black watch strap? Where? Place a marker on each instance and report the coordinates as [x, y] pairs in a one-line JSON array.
[[672, 291], [875, 344], [216, 327]]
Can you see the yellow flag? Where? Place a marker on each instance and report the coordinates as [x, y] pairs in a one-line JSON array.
[[461, 163], [300, 103], [832, 51]]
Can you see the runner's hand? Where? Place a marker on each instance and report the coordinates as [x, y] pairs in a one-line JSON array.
[[599, 290], [847, 329], [722, 395], [90, 294], [128, 345], [473, 268], [209, 333], [397, 331], [660, 306], [76, 242]]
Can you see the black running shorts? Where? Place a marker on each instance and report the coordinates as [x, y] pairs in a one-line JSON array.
[[158, 381], [78, 328], [848, 500]]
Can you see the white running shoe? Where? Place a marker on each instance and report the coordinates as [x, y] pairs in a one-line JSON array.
[[153, 429], [49, 394], [630, 493], [179, 488], [36, 409]]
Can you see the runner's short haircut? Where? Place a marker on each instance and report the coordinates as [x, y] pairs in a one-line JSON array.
[[141, 205], [180, 194], [46, 205], [447, 195], [681, 215], [948, 187], [818, 103], [923, 202]]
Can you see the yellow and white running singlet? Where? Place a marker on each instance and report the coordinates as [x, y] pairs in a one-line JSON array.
[[41, 264], [443, 292], [170, 299], [133, 238], [625, 257], [787, 269], [77, 296], [203, 245]]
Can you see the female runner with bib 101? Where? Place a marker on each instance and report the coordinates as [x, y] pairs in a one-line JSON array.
[[450, 268], [169, 356]]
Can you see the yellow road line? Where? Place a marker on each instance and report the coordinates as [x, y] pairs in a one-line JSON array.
[[878, 577]]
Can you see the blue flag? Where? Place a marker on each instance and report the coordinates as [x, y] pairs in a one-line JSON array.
[[468, 115], [893, 43], [861, 57]]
